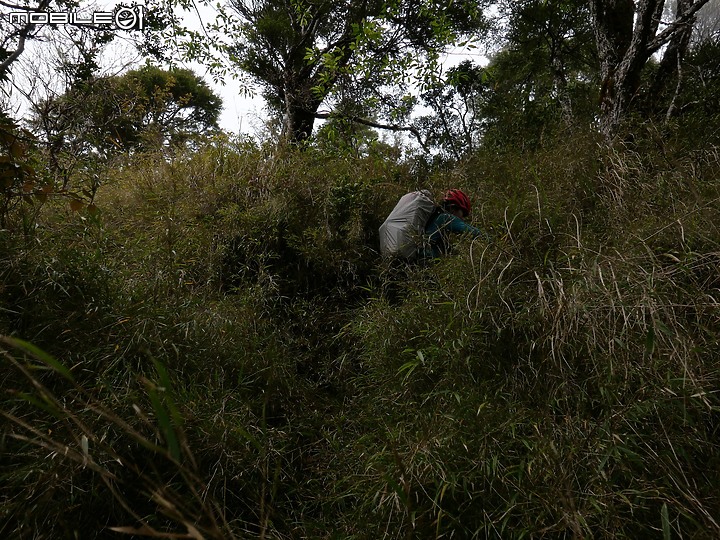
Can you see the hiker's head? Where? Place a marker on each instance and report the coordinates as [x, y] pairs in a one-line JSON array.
[[456, 202]]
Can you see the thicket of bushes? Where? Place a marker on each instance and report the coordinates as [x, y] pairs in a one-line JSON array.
[[222, 352]]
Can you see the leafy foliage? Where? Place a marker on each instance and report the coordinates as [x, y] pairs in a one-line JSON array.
[[14, 34], [20, 183], [456, 127], [546, 76], [147, 108], [306, 54]]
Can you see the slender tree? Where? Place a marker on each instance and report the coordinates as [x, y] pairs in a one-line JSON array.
[[707, 27], [457, 123], [556, 40]]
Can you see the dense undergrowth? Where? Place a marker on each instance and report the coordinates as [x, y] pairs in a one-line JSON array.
[[218, 351]]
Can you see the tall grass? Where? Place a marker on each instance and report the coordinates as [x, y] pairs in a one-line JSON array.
[[220, 352]]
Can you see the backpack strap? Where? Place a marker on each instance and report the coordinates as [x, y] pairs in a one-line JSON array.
[[441, 243], [435, 213]]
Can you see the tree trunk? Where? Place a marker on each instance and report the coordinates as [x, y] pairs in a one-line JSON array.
[[626, 33], [299, 122], [622, 39], [669, 68], [561, 89]]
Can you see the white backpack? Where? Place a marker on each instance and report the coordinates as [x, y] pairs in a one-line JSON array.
[[401, 235]]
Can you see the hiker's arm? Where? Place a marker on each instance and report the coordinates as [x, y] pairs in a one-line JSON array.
[[458, 226]]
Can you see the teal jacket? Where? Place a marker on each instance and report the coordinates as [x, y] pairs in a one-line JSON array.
[[440, 226]]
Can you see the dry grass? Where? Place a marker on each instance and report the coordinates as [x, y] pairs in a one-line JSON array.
[[230, 359]]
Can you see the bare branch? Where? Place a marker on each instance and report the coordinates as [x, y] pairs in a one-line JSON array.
[[371, 123], [23, 34], [13, 6], [16, 53], [666, 35], [42, 6]]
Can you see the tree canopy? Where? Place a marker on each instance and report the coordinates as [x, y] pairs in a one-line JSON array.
[[304, 54], [542, 75], [551, 63], [144, 108]]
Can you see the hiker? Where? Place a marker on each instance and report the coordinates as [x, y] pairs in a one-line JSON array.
[[448, 218], [417, 228]]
